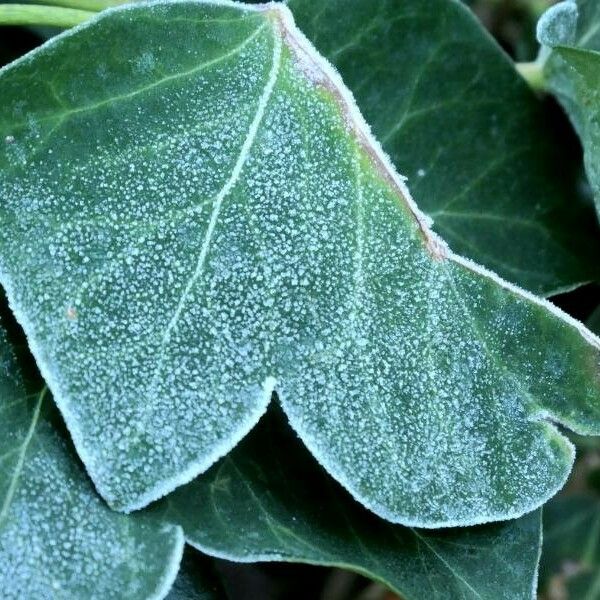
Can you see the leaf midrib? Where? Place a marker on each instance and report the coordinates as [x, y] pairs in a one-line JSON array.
[[226, 189]]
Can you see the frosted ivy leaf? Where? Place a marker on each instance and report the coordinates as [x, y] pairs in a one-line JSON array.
[[202, 216], [463, 126], [58, 539]]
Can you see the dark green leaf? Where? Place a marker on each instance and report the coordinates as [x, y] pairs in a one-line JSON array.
[[201, 215], [269, 501], [571, 553]]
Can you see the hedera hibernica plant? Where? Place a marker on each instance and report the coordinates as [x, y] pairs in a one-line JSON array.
[[232, 228], [470, 135], [58, 538], [570, 565]]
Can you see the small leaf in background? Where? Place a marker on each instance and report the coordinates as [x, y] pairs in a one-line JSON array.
[[269, 501], [232, 227], [475, 142], [571, 66], [558, 26], [58, 539]]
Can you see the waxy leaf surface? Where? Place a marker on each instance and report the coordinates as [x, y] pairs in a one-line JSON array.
[[570, 34], [58, 539], [570, 564], [457, 119], [201, 216], [260, 503]]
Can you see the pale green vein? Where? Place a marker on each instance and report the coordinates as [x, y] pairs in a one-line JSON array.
[[155, 84], [447, 564], [21, 460]]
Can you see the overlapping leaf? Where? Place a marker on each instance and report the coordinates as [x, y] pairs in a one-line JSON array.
[[260, 503], [231, 227], [572, 72], [58, 539], [570, 565]]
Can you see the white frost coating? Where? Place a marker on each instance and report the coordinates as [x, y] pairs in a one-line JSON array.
[[536, 573], [166, 486], [586, 334], [330, 465], [102, 15], [438, 248], [61, 399], [229, 185], [57, 537], [558, 25], [172, 568], [311, 62]]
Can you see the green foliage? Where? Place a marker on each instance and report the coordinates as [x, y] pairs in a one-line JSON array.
[[234, 229], [259, 504], [473, 140], [195, 218]]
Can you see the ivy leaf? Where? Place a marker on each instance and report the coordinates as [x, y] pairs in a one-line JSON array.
[[57, 537], [570, 565], [232, 228], [261, 504], [572, 72], [462, 125]]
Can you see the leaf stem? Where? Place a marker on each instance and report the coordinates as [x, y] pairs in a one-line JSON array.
[[533, 74], [89, 5], [30, 14]]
